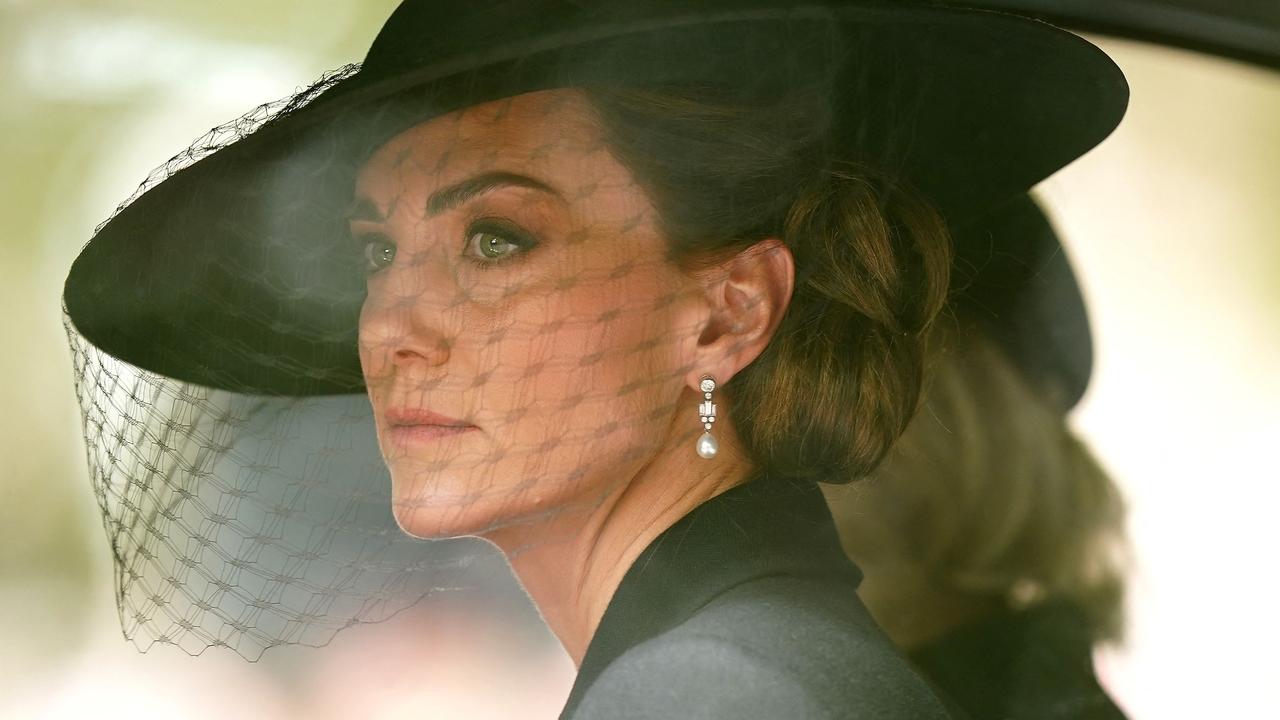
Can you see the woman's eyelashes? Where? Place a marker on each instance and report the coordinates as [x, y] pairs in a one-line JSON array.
[[487, 243], [490, 242]]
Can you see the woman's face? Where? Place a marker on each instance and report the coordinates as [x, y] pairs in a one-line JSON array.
[[518, 291]]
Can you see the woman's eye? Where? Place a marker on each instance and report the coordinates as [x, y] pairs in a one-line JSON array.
[[488, 243], [378, 253]]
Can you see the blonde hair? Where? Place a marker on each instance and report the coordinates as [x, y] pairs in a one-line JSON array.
[[988, 499]]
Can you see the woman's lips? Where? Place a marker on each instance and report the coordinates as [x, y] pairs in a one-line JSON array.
[[421, 425], [424, 433], [421, 416]]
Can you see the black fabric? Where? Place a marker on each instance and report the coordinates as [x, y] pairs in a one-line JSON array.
[[1012, 275], [1034, 663], [746, 608]]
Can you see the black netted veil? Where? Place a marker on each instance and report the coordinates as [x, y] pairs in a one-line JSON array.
[[245, 521], [232, 439]]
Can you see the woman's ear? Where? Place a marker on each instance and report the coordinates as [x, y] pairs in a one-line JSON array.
[[748, 295]]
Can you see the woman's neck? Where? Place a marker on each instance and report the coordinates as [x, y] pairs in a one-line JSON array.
[[572, 563]]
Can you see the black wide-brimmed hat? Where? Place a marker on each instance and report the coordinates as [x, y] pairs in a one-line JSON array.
[[230, 269]]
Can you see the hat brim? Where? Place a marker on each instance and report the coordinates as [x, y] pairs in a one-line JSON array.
[[235, 272]]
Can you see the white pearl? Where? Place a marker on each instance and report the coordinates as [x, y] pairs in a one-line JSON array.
[[707, 446]]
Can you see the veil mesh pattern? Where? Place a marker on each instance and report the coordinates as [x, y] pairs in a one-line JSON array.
[[251, 520], [235, 130], [244, 521]]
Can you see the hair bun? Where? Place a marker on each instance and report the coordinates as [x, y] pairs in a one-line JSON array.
[[842, 377]]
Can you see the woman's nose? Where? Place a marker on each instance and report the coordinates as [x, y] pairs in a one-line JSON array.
[[404, 319]]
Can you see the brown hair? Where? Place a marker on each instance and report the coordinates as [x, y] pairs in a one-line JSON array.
[[841, 378], [987, 501]]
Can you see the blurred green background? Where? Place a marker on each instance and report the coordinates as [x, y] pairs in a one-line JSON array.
[[1173, 222]]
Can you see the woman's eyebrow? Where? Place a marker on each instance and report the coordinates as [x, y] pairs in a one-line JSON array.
[[363, 209], [451, 197]]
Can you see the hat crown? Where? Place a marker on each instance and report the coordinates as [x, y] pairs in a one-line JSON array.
[[431, 31], [425, 31], [421, 31]]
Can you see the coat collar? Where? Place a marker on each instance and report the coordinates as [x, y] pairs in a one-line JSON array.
[[758, 529]]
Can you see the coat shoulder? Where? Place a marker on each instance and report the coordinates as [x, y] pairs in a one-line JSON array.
[[697, 677], [770, 648]]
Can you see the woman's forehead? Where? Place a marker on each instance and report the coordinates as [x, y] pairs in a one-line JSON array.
[[553, 133]]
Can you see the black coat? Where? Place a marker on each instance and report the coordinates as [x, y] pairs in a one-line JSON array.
[[746, 608], [1032, 664]]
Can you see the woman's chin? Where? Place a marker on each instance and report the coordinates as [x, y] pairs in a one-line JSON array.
[[437, 522], [444, 507]]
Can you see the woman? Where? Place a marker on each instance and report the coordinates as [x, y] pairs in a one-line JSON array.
[[635, 277], [990, 537]]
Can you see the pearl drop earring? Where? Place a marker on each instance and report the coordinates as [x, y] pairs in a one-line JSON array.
[[707, 445]]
